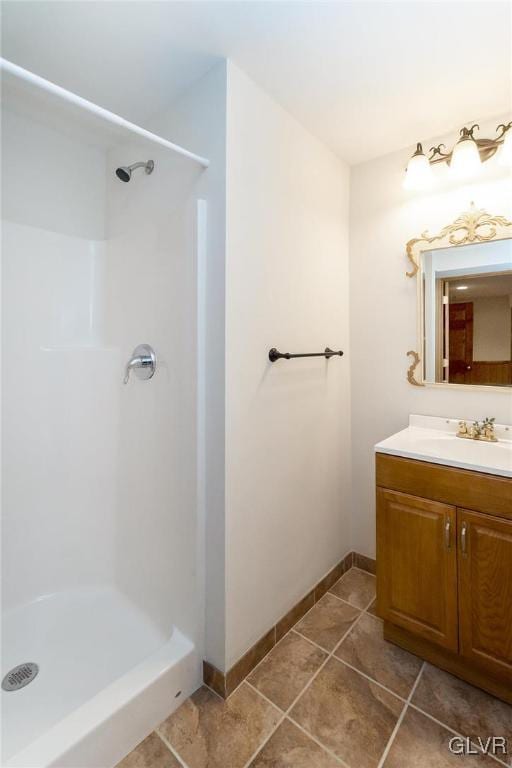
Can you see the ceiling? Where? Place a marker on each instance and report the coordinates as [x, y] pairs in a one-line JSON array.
[[481, 287], [367, 78]]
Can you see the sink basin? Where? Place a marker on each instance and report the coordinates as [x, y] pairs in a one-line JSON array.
[[433, 439]]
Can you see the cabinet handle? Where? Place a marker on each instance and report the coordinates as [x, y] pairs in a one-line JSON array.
[[463, 538], [448, 533]]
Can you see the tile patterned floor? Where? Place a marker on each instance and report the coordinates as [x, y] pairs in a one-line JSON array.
[[332, 693]]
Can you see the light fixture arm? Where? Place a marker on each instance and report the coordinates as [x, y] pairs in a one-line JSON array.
[[467, 133], [486, 147], [504, 128], [438, 156]]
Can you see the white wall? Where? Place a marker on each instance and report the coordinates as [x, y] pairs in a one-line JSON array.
[[288, 423], [383, 218]]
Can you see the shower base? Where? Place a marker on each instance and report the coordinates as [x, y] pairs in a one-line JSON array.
[[107, 677]]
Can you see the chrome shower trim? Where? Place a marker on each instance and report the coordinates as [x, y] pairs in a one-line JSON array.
[[124, 172]]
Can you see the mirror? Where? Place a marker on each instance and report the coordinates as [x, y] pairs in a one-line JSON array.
[[467, 314], [464, 303]]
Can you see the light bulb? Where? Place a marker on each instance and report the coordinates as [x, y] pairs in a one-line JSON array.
[[419, 173], [505, 151], [465, 158]]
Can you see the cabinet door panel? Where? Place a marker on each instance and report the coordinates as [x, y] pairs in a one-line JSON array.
[[485, 591], [417, 566]]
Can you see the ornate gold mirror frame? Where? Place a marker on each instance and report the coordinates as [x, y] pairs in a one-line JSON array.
[[474, 226]]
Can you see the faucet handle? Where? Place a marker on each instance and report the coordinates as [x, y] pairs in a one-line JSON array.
[[134, 362], [488, 428], [142, 361]]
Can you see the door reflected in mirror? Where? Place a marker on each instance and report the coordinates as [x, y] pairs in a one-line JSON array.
[[467, 314]]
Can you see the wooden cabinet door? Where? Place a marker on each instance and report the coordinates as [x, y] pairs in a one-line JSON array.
[[485, 591], [417, 566]]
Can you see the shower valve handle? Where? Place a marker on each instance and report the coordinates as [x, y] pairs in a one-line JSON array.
[[142, 363]]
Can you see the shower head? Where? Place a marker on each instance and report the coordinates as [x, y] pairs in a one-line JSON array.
[[124, 173]]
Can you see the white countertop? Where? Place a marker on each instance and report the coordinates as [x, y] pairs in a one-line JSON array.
[[433, 439]]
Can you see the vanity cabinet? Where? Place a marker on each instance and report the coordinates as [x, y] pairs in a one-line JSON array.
[[485, 591], [444, 568], [418, 566]]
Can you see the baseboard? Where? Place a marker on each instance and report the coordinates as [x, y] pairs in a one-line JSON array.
[[365, 563], [225, 684]]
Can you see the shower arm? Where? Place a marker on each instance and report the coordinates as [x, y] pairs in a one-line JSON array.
[[141, 164]]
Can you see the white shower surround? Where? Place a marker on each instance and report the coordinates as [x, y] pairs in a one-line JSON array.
[[101, 537]]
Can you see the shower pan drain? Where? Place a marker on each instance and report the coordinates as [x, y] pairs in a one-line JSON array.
[[20, 676]]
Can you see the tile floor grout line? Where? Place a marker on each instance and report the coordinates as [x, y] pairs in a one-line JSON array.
[[352, 605], [280, 710], [228, 696], [313, 678], [407, 702], [302, 691], [285, 714], [171, 748], [327, 592], [452, 730], [267, 739], [374, 616], [292, 629], [362, 612], [210, 689], [322, 665], [313, 738], [370, 604], [320, 647], [341, 599], [371, 679], [246, 678], [400, 719], [330, 654]]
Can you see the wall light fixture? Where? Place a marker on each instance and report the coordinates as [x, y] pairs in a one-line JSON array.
[[464, 159]]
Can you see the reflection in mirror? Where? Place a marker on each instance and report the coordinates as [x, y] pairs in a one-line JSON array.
[[467, 314]]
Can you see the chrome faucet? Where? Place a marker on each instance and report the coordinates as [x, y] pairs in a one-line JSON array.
[[479, 430], [142, 362]]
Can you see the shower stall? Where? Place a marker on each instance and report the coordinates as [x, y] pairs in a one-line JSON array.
[[101, 536]]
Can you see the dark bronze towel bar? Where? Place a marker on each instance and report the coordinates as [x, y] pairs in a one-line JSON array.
[[274, 355]]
